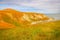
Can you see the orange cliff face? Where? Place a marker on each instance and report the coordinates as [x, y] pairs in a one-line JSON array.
[[10, 18]]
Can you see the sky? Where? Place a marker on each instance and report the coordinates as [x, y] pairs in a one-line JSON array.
[[44, 6]]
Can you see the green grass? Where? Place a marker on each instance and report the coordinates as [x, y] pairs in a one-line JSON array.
[[37, 32]]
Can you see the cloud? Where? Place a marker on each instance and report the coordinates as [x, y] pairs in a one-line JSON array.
[[49, 6]]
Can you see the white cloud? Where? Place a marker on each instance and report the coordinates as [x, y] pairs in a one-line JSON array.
[[50, 6]]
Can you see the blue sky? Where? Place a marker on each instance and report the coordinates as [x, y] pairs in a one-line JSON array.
[[44, 6]]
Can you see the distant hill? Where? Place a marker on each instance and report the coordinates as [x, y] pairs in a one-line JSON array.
[[10, 18]]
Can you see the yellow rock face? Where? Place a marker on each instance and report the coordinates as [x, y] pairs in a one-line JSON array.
[[10, 18]]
